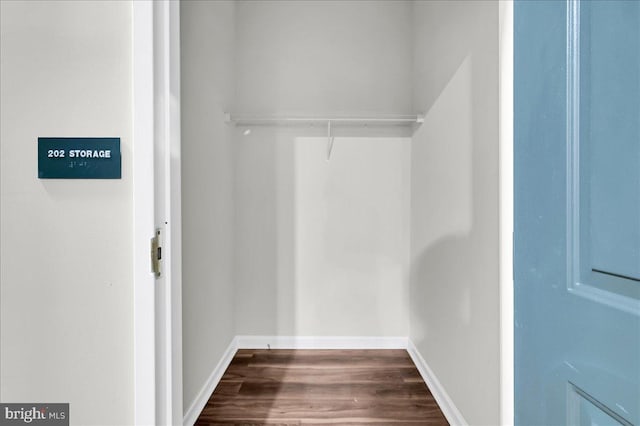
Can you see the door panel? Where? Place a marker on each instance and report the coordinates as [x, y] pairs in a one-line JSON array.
[[577, 212], [609, 152], [583, 410]]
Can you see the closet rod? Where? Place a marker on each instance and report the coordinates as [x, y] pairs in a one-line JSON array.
[[255, 119]]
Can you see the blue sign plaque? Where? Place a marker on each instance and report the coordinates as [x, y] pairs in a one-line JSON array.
[[79, 158]]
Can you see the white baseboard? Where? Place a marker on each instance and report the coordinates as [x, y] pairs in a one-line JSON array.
[[283, 342], [448, 408], [320, 342], [199, 403]]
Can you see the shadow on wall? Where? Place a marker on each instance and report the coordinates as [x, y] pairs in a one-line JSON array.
[[292, 58], [352, 215], [454, 263], [322, 244], [443, 206], [454, 247]]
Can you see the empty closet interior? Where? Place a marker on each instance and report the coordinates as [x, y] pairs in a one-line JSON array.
[[321, 227]]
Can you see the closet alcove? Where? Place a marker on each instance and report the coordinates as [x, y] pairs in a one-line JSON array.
[[339, 179]]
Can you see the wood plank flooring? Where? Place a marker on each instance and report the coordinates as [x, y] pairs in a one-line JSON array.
[[296, 387]]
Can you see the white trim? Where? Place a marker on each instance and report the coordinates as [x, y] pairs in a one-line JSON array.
[[320, 342], [143, 214], [168, 323], [506, 210], [205, 393], [175, 204], [448, 408], [162, 217]]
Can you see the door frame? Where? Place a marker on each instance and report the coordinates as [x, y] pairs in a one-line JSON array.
[[156, 135], [162, 31], [506, 210], [143, 214]]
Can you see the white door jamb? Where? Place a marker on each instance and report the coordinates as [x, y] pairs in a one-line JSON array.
[[156, 131], [506, 210], [143, 214]]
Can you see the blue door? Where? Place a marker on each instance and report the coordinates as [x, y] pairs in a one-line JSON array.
[[577, 212]]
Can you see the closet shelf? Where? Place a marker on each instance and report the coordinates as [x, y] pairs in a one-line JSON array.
[[329, 121], [392, 120]]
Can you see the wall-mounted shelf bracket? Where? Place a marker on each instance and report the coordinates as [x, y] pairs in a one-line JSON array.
[[329, 140]]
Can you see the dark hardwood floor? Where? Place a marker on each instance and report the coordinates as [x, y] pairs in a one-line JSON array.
[[295, 387]]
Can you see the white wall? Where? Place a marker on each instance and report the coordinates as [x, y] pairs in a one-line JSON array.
[[65, 254], [303, 58], [66, 249], [352, 236], [454, 287], [324, 56], [207, 86]]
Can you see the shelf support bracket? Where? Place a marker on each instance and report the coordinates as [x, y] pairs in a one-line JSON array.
[[329, 140]]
